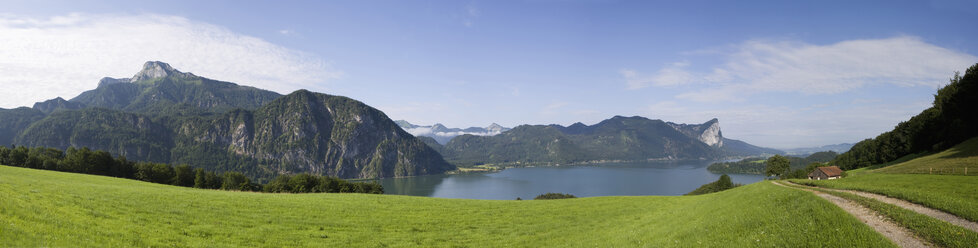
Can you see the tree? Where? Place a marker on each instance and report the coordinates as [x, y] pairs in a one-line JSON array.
[[200, 180], [724, 182], [183, 176], [236, 181], [777, 165], [212, 180]]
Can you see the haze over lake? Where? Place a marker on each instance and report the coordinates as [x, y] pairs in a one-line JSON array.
[[665, 178]]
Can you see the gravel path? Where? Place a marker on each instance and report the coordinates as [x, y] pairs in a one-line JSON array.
[[937, 214], [899, 235]]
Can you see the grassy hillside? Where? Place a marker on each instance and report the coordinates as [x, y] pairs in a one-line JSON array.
[[951, 161], [954, 194], [46, 208]]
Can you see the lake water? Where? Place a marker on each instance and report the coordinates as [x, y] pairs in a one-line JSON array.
[[665, 178]]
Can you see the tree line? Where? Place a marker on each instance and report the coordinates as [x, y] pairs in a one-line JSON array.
[[758, 165], [98, 162], [951, 120]]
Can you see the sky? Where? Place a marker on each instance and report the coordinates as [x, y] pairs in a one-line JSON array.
[[779, 74]]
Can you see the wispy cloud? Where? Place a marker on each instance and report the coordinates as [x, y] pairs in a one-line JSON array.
[[471, 13], [791, 66], [65, 55], [672, 75]]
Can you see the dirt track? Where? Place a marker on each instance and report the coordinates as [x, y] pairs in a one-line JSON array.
[[899, 235], [934, 213]]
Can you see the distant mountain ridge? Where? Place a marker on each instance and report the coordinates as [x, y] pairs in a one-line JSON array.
[[164, 115], [838, 148], [617, 139], [443, 134]]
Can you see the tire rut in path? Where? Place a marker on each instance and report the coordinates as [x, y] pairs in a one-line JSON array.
[[899, 235], [933, 213]]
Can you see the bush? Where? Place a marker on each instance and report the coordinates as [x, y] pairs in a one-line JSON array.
[[554, 196]]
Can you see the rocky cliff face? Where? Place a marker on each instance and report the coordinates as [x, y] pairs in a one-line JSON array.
[[322, 134], [156, 69], [708, 133]]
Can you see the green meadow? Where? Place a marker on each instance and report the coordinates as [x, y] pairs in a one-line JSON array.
[[957, 195], [961, 159], [47, 208]]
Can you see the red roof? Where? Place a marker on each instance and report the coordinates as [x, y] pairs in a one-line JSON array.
[[832, 171]]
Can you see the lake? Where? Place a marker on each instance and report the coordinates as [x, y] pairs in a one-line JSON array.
[[661, 178]]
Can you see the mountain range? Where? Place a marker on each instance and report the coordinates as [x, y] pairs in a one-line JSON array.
[[164, 115], [838, 148], [616, 139], [443, 134]]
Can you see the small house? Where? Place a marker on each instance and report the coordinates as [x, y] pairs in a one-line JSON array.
[[826, 172]]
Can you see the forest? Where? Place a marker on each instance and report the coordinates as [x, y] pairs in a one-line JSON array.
[[951, 120], [98, 162]]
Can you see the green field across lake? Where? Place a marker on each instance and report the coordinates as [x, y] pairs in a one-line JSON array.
[[46, 208]]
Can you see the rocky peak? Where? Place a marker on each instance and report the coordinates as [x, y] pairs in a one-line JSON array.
[[438, 127], [708, 132], [157, 69], [496, 128]]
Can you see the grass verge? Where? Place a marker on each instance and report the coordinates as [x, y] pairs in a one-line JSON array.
[[957, 195], [933, 230], [961, 159]]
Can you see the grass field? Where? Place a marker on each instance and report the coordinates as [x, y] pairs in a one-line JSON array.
[[933, 230], [961, 159], [957, 195], [45, 208]]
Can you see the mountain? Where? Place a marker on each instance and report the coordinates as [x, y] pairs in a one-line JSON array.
[[164, 115], [708, 133], [838, 148], [619, 138], [13, 121], [160, 89], [443, 134], [737, 148]]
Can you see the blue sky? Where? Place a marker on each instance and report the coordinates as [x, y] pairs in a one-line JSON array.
[[776, 73]]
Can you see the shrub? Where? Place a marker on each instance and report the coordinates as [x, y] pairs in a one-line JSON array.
[[554, 196]]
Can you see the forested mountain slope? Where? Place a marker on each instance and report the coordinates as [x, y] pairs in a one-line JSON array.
[[164, 115]]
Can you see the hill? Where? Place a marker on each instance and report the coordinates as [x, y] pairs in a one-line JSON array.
[[164, 115], [950, 121], [616, 139], [805, 151], [56, 209], [951, 161], [757, 165]]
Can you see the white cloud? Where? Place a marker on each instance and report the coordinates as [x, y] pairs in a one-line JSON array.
[[65, 55], [788, 66]]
